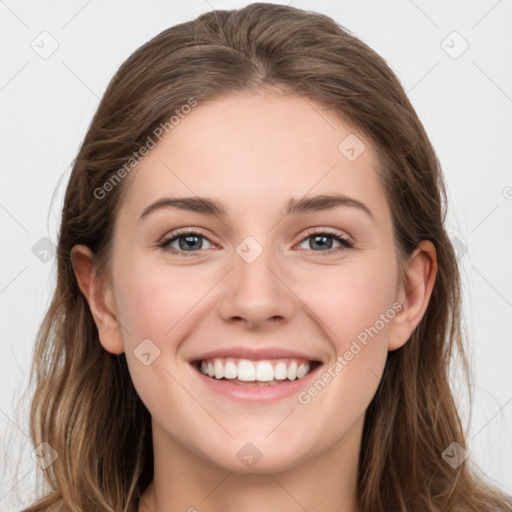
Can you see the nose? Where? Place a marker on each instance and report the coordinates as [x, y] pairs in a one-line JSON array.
[[257, 294]]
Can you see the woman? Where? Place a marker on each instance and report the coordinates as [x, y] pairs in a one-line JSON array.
[[200, 353]]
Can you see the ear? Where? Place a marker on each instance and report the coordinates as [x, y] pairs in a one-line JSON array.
[[414, 293], [100, 298]]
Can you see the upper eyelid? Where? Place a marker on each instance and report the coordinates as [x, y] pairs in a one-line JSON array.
[[327, 231], [168, 238]]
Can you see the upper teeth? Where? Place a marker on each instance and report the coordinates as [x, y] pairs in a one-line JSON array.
[[247, 370]]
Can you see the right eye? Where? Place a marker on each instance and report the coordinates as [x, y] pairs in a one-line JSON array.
[[187, 242]]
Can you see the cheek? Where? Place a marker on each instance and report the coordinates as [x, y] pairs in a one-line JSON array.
[[355, 305], [156, 304], [357, 314], [348, 299], [153, 300]]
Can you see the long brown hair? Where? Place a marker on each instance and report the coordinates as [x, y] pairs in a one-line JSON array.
[[85, 406]]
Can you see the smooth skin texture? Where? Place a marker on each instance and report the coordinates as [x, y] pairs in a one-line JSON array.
[[253, 152]]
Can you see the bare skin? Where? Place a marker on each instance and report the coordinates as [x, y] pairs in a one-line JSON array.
[[253, 153]]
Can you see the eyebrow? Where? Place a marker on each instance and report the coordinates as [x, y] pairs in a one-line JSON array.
[[208, 206]]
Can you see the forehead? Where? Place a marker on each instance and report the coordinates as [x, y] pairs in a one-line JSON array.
[[257, 150]]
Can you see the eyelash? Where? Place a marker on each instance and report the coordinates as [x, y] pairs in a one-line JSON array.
[[345, 242]]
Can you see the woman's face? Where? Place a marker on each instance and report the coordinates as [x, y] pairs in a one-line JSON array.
[[264, 285]]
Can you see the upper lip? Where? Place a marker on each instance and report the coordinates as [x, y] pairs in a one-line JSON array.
[[253, 353]]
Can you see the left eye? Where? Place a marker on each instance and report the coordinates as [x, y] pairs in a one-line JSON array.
[[324, 241]]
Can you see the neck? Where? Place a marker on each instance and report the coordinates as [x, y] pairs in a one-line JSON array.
[[187, 482]]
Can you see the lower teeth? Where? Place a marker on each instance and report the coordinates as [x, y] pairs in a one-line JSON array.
[[254, 383], [257, 382]]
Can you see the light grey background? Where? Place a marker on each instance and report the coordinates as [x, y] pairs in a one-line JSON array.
[[463, 99]]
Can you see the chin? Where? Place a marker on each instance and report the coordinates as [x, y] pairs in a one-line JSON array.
[[246, 457]]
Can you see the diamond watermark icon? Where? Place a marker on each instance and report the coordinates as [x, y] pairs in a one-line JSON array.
[[44, 250], [455, 455], [459, 247], [351, 147], [45, 45], [249, 454], [454, 45], [146, 352], [44, 455], [249, 249]]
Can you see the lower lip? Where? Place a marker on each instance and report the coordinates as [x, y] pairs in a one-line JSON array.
[[255, 392]]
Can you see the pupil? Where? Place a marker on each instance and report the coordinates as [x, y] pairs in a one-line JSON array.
[[324, 241], [189, 242]]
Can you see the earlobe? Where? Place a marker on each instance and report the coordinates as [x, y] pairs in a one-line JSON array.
[[99, 296], [414, 293]]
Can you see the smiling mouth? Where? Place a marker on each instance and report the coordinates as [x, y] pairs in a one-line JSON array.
[[246, 372]]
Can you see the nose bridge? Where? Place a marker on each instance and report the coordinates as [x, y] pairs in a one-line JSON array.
[[255, 291]]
